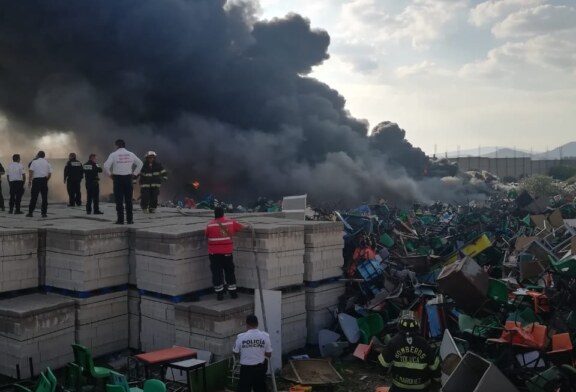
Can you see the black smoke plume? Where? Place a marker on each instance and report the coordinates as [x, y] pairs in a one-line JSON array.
[[221, 97]]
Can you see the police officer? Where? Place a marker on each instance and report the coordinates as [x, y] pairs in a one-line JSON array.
[[73, 174], [411, 360], [16, 180], [40, 172], [219, 233], [2, 172], [151, 178], [123, 165], [92, 182], [254, 348]]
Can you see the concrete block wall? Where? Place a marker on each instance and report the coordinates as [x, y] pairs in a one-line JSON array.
[[323, 258], [87, 259], [157, 323], [134, 320], [212, 325], [319, 302], [101, 322], [35, 326], [172, 260], [18, 259], [293, 320], [278, 247]]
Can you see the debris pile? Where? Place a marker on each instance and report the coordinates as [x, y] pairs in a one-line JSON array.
[[492, 284]]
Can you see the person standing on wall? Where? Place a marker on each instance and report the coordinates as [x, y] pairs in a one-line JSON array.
[[92, 182], [39, 174], [151, 177], [2, 172], [73, 174], [123, 166], [16, 179], [254, 349], [219, 233]]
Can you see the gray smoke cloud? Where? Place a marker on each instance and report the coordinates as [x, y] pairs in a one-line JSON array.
[[221, 96]]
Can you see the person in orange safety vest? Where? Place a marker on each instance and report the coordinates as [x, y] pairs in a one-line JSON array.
[[219, 234]]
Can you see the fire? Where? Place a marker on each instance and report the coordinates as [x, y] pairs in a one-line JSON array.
[[196, 184]]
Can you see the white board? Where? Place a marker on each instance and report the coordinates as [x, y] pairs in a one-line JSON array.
[[273, 307], [294, 207]]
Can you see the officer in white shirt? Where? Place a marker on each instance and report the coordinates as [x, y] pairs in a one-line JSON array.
[[16, 179], [123, 165], [253, 347], [40, 172]]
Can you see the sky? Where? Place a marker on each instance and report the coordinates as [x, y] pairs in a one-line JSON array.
[[455, 74]]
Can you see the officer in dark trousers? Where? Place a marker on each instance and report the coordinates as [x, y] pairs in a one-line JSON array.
[[151, 177], [254, 349], [40, 172], [92, 182], [410, 359], [73, 174], [2, 172], [16, 180], [123, 166]]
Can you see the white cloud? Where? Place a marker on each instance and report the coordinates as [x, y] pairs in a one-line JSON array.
[[538, 20], [421, 21], [491, 10], [420, 69]]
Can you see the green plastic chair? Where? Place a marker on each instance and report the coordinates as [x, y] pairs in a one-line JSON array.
[[114, 388], [564, 267], [370, 326], [51, 377], [476, 327], [120, 379], [152, 385], [43, 385], [547, 381], [83, 358], [524, 316], [74, 379], [498, 291]]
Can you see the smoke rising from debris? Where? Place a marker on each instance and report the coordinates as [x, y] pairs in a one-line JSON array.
[[222, 97]]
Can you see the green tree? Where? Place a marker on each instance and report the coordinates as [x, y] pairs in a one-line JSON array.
[[562, 173], [540, 185]]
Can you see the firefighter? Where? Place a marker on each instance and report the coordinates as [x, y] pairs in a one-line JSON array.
[[92, 182], [73, 174], [151, 178], [410, 359]]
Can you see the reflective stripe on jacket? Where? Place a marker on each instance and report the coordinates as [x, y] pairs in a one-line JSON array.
[[412, 362], [219, 233]]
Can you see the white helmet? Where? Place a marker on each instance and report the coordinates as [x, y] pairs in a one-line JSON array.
[[150, 154]]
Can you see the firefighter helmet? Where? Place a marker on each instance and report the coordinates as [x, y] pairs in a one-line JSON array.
[[408, 323], [150, 154]]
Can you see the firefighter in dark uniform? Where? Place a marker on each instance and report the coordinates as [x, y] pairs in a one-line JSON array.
[[92, 182], [151, 177], [73, 174], [413, 363]]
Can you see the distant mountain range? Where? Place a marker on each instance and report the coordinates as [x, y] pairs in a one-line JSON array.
[[564, 151]]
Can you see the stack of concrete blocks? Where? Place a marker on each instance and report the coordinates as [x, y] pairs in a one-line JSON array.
[[171, 261], [279, 252], [321, 301], [323, 258], [36, 326], [87, 259], [293, 320], [212, 325], [134, 320], [18, 260], [102, 322], [157, 323]]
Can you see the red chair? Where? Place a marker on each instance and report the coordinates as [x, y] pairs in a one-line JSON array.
[[561, 353]]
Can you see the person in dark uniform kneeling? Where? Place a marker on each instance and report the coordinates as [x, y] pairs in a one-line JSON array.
[[254, 349]]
